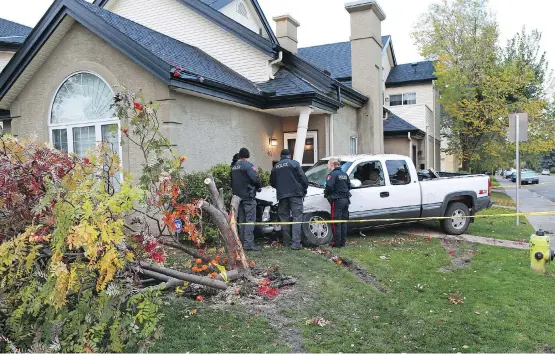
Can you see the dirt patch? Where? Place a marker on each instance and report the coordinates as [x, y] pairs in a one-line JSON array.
[[461, 254], [352, 267]]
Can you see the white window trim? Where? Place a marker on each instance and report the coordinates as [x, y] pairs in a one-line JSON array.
[[356, 145], [96, 123], [311, 134], [403, 98]]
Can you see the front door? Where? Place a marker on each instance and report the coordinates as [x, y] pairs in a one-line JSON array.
[[310, 156]]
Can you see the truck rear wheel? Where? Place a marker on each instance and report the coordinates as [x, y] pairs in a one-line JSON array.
[[459, 219], [315, 232]]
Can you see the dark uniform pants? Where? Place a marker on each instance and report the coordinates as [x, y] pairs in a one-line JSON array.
[[291, 209], [247, 213], [339, 211]]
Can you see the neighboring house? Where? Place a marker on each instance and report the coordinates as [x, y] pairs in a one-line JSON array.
[[238, 84], [12, 35], [408, 91], [411, 94]]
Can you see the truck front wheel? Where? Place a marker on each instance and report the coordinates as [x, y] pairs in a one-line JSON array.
[[316, 232], [458, 221]]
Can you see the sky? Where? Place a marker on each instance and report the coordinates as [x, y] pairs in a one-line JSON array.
[[327, 21]]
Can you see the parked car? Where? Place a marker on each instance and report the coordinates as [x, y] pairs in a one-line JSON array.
[[546, 172], [527, 177], [385, 187], [509, 174]]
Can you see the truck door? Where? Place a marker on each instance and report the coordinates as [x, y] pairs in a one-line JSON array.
[[367, 201], [402, 196]]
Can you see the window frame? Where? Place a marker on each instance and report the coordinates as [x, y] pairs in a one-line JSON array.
[[81, 124], [355, 139], [376, 162], [407, 170], [403, 99], [309, 134]]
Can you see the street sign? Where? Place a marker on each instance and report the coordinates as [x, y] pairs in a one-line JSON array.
[[522, 128], [178, 225]]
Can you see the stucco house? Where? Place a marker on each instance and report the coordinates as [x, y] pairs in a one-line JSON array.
[[240, 84]]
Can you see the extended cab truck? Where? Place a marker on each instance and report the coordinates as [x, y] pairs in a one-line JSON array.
[[386, 187]]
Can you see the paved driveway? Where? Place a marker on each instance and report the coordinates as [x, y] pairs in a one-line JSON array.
[[536, 198]]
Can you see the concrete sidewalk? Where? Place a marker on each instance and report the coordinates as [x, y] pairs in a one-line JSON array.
[[531, 202]]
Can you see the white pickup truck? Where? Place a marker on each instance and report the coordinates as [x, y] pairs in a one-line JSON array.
[[385, 187]]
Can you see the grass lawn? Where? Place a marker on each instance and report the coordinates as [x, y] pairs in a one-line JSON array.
[[500, 303], [502, 199]]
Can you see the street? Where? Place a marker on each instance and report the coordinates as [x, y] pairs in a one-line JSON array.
[[536, 198]]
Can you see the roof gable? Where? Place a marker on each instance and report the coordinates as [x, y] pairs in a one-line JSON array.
[[334, 58], [217, 4], [411, 73], [13, 33]]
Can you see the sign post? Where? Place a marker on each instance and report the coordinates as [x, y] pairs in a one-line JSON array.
[[518, 131]]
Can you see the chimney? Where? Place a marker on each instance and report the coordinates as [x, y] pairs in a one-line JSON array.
[[366, 63], [286, 32]]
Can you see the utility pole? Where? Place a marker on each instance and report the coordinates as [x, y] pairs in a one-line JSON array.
[[517, 170]]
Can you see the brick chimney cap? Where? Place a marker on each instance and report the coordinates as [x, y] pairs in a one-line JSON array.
[[364, 5], [287, 17]]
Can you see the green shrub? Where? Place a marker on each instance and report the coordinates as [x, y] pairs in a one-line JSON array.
[[196, 189]]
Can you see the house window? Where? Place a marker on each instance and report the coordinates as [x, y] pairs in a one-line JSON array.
[[82, 115], [242, 9], [402, 99], [353, 143], [409, 98]]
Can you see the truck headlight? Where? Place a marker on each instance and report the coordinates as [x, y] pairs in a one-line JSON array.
[[266, 214]]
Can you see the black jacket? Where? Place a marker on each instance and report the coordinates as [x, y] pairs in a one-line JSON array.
[[338, 185], [244, 180], [288, 179]]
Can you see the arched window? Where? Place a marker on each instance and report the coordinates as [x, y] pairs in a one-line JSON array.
[[242, 9], [82, 115]]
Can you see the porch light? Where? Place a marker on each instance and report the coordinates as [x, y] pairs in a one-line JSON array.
[[273, 142]]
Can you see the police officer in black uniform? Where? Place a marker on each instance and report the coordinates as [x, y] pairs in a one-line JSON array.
[[337, 192], [245, 184], [290, 182]]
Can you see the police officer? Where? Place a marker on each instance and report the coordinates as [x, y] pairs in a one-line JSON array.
[[234, 160], [337, 192], [290, 182], [245, 184]]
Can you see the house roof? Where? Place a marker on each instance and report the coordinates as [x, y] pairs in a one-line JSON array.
[[190, 60], [334, 57], [180, 65], [13, 33], [395, 125], [414, 72], [217, 4]]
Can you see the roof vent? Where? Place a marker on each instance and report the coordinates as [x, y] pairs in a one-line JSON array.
[[414, 64]]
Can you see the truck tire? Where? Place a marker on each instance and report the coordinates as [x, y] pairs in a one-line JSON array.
[[316, 234], [460, 221]]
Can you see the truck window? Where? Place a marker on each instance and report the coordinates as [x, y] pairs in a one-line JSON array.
[[370, 174], [398, 171], [317, 174]]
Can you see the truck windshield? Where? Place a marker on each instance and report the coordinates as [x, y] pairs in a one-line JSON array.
[[317, 174]]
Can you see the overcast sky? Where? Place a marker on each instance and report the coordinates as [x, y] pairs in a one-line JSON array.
[[327, 21]]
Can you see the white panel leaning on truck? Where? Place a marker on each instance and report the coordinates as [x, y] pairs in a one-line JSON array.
[[388, 187]]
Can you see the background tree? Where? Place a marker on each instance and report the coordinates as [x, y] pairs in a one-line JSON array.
[[481, 84]]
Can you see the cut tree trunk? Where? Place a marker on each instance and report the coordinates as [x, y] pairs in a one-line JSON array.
[[170, 273], [227, 224]]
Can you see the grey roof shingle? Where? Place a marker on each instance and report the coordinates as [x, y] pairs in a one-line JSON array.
[[335, 57], [190, 59], [13, 33], [421, 71], [217, 4], [286, 83], [395, 124]]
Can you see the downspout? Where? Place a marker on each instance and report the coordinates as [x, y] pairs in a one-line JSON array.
[[332, 118], [277, 61], [410, 146], [427, 148]]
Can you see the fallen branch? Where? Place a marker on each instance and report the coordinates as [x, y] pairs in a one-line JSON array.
[[170, 273], [183, 248]]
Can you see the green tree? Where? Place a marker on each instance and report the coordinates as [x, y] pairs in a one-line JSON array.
[[478, 87]]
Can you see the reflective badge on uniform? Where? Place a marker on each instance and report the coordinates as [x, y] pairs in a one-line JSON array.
[[329, 177]]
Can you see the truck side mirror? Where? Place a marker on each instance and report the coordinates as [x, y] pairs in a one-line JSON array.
[[355, 183]]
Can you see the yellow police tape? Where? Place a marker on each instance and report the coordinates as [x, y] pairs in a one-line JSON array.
[[538, 213]]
